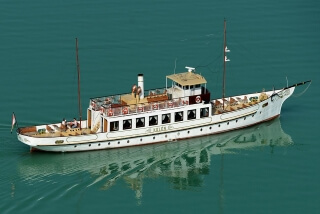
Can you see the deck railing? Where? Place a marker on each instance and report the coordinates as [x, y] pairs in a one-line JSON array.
[[112, 106], [144, 107]]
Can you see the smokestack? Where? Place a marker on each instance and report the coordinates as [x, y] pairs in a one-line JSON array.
[[140, 84]]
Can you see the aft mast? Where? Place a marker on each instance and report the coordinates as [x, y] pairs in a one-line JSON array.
[[225, 60], [78, 69]]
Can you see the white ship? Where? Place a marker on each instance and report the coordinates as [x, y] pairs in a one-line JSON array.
[[182, 109]]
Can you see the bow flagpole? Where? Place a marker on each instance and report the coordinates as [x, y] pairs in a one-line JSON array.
[[14, 121]]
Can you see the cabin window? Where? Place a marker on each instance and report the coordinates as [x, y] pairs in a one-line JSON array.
[[114, 126], [198, 86], [191, 114], [191, 86], [127, 124], [178, 116], [153, 120], [166, 118], [204, 112], [140, 122], [177, 84], [186, 87]]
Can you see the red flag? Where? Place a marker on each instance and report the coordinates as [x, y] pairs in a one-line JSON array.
[[14, 121]]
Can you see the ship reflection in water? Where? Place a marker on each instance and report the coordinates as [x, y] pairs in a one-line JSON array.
[[182, 163]]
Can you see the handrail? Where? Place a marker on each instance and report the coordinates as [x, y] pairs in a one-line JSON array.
[[113, 107]]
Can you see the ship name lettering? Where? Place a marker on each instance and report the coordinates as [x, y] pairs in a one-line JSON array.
[[159, 129]]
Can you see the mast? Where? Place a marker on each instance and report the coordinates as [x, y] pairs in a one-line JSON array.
[[78, 69], [225, 60]]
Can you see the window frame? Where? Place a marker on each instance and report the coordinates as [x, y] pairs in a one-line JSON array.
[[112, 126], [175, 114], [143, 120], [126, 128], [195, 114], [202, 112], [157, 120], [162, 118]]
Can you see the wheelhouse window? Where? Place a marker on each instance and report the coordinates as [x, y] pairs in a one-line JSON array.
[[191, 114], [153, 120], [140, 122], [204, 112], [166, 118], [127, 124], [114, 126], [178, 116], [177, 84]]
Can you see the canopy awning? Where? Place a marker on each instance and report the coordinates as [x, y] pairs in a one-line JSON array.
[[187, 78]]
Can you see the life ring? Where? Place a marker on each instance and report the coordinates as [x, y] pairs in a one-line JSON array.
[[198, 99], [170, 104], [140, 109], [125, 110], [155, 106], [110, 113]]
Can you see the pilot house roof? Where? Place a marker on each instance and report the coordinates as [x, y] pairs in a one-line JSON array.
[[187, 78]]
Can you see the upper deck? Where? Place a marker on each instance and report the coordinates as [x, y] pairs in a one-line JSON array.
[[186, 88], [157, 99]]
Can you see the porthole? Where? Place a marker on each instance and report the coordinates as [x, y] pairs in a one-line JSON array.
[[109, 143], [219, 125], [253, 115], [75, 146], [140, 139], [166, 136], [236, 121], [200, 130], [90, 144], [227, 123], [128, 141], [260, 112], [188, 132], [154, 137], [118, 142], [244, 118], [210, 128], [98, 144]]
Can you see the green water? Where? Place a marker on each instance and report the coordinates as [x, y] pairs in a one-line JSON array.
[[270, 168]]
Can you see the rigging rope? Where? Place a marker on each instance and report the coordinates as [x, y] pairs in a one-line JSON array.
[[300, 94]]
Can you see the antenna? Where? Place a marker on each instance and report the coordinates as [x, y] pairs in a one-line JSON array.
[[190, 69]]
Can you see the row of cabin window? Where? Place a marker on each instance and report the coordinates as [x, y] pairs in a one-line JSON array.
[[187, 86], [153, 120]]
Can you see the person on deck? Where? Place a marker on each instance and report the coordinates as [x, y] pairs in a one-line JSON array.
[[74, 124], [64, 124]]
